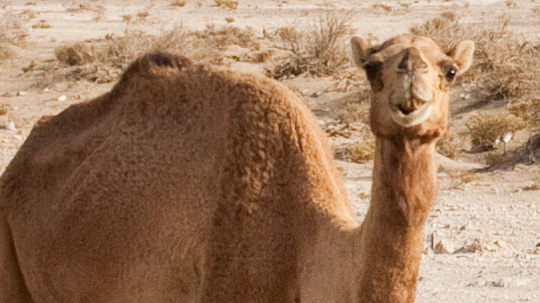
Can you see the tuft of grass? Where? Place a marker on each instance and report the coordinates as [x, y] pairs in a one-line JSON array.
[[178, 3], [384, 7], [227, 4], [487, 129], [4, 109], [75, 54], [142, 16], [220, 38], [319, 49], [42, 24]]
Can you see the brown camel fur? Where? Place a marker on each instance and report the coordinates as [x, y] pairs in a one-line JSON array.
[[186, 184]]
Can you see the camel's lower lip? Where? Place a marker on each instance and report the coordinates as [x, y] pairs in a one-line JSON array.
[[415, 117]]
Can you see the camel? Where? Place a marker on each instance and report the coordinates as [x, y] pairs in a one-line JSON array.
[[189, 184]]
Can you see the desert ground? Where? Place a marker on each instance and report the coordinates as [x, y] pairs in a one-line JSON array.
[[483, 240]]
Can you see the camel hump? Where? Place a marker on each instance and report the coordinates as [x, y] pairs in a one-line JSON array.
[[157, 63], [162, 60]]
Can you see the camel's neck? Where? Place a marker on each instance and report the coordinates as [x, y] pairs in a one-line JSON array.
[[393, 232]]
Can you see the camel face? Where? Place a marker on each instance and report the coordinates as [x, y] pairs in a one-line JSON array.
[[410, 77]]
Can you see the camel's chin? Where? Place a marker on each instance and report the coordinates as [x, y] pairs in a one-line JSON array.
[[412, 119]]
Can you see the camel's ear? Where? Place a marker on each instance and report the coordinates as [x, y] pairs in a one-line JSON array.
[[361, 50], [462, 54]]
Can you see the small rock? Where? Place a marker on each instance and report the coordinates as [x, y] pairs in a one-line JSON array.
[[443, 247], [538, 244], [19, 93], [476, 246], [498, 283], [62, 98], [18, 137], [536, 251], [11, 126], [46, 90], [504, 247]]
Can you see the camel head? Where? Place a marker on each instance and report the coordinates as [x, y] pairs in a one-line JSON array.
[[410, 78]]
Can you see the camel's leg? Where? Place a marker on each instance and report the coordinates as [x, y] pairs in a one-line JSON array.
[[12, 287]]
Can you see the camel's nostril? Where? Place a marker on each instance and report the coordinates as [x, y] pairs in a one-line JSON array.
[[405, 109]]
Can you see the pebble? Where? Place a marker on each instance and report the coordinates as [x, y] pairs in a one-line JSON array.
[[11, 126], [471, 248], [19, 93], [62, 98], [443, 247]]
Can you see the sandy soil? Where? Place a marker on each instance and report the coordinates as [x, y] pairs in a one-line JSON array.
[[493, 219]]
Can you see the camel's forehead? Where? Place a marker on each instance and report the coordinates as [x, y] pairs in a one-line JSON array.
[[429, 48]]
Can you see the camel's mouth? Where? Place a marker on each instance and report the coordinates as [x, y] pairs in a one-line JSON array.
[[411, 113]]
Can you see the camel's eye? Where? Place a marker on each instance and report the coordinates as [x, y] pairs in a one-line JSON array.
[[372, 69], [450, 73]]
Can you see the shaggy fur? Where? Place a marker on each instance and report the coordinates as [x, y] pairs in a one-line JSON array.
[[186, 184]]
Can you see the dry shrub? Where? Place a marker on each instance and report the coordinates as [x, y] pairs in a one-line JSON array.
[[359, 151], [486, 129], [116, 52], [219, 38], [12, 33], [75, 54], [350, 119], [459, 177], [102, 60], [451, 144], [318, 49], [120, 50], [354, 111]]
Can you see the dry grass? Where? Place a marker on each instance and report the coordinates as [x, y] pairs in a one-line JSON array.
[[352, 121], [359, 151], [12, 34], [488, 129], [114, 53], [4, 109], [178, 3], [384, 7], [459, 177], [219, 38], [42, 24], [318, 49], [536, 180], [227, 4], [354, 111]]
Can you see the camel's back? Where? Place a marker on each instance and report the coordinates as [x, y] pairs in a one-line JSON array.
[[130, 197]]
